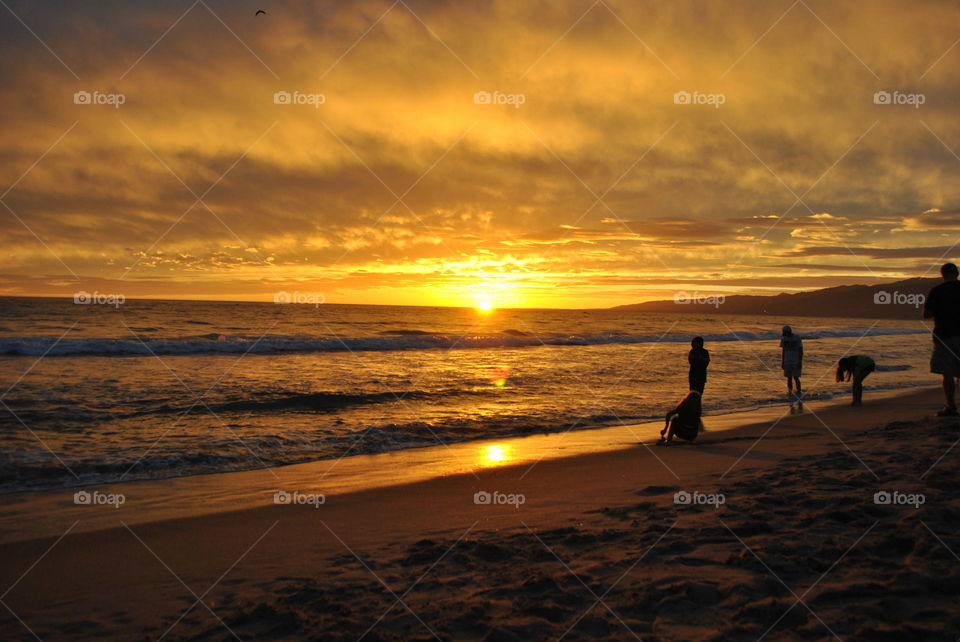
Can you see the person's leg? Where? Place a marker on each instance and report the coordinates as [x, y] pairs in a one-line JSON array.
[[668, 430], [949, 391], [799, 390], [857, 391], [955, 367], [789, 385], [944, 363]]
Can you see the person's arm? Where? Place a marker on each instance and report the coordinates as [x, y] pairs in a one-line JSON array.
[[929, 306], [706, 358], [666, 426], [671, 414]]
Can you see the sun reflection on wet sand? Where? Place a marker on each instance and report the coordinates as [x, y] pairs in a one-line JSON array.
[[496, 455]]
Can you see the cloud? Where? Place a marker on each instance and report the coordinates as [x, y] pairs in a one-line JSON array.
[[934, 219], [398, 166], [874, 252]]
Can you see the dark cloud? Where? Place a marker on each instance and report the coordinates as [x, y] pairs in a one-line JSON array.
[[874, 252]]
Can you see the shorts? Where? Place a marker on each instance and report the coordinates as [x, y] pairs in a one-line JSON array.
[[697, 383], [791, 370], [945, 359]]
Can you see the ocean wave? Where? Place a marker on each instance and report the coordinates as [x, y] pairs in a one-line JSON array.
[[34, 468], [276, 344], [312, 401], [405, 333]]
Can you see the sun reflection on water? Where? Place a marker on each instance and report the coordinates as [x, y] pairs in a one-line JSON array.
[[496, 455]]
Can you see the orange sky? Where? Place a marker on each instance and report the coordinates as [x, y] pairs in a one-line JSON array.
[[583, 182]]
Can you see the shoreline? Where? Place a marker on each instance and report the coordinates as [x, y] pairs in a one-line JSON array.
[[298, 571], [716, 419], [148, 501]]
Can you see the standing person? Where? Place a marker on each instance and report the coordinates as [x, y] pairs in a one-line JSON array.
[[943, 305], [684, 420], [857, 367], [699, 360], [791, 359]]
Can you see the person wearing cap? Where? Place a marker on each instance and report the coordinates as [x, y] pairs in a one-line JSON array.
[[791, 359]]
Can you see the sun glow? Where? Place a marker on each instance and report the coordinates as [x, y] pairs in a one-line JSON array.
[[491, 292], [499, 376], [496, 455]]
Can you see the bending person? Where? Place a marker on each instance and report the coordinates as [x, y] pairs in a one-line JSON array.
[[855, 367]]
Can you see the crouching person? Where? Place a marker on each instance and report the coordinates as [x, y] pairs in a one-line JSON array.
[[683, 421]]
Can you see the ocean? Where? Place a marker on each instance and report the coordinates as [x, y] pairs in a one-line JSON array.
[[98, 393]]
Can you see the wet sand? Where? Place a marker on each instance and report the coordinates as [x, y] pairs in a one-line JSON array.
[[798, 548]]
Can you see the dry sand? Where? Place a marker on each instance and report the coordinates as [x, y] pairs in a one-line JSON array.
[[599, 549]]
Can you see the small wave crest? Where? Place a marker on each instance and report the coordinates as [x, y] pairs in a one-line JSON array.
[[274, 344], [317, 401]]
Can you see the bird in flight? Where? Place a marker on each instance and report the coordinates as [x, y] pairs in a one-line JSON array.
[[259, 11]]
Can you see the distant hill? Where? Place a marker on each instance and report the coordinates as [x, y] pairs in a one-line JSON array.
[[898, 300]]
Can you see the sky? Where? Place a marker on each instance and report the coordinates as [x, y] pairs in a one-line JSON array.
[[506, 153]]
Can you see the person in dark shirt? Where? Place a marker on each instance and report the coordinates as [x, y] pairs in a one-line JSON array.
[[684, 420], [943, 305], [855, 367], [699, 360]]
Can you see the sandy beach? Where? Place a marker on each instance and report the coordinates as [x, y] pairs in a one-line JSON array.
[[778, 535]]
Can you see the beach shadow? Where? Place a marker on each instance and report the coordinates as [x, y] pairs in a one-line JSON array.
[[732, 451]]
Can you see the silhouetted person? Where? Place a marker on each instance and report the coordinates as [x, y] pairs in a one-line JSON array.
[[684, 420], [699, 360], [943, 304], [791, 359], [855, 367]]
